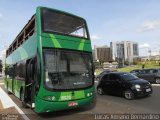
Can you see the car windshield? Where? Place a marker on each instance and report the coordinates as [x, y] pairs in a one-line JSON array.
[[128, 76], [67, 69], [58, 22]]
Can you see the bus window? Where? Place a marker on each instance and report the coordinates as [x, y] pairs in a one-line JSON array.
[[63, 24], [67, 69]]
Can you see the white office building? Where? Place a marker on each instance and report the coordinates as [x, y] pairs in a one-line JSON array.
[[124, 51]]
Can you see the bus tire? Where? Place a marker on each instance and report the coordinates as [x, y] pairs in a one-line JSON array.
[[22, 98], [157, 80]]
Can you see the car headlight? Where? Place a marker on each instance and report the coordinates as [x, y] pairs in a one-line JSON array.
[[137, 86]]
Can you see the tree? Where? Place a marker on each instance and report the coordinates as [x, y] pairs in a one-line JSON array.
[[126, 62]]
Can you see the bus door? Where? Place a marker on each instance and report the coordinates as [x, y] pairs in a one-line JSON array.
[[30, 80]]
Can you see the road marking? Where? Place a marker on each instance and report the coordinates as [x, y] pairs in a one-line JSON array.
[[155, 84], [8, 102]]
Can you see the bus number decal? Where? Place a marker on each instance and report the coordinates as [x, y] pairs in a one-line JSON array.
[[66, 98]]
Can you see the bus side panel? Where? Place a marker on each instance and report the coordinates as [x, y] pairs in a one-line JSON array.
[[5, 82], [18, 84], [26, 51]]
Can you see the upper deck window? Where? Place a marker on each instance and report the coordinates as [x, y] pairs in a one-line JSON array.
[[58, 22]]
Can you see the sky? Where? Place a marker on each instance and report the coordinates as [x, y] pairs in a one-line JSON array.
[[108, 20]]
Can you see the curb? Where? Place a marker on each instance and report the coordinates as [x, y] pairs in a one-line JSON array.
[[8, 102], [1, 105]]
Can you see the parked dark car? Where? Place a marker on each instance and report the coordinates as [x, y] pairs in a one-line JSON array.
[[151, 75], [124, 84]]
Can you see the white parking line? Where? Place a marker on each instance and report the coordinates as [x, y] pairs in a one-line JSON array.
[[8, 102]]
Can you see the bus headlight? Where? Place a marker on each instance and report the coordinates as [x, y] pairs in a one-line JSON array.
[[50, 98], [89, 94]]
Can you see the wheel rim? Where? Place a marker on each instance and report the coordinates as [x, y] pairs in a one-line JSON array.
[[128, 95], [157, 80], [100, 91]]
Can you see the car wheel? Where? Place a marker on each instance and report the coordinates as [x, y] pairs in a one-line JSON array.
[[157, 80], [128, 94], [100, 91]]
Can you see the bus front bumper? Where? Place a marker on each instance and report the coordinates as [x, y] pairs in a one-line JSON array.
[[43, 106]]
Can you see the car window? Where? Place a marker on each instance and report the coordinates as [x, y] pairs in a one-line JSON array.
[[143, 72], [148, 71], [128, 76], [114, 77], [153, 71]]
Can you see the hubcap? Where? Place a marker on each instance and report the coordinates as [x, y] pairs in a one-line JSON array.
[[128, 95], [158, 80], [100, 91]]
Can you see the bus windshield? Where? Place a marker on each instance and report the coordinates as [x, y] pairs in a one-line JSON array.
[[58, 22], [67, 69]]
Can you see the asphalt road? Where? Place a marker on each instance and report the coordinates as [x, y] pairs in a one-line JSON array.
[[106, 104]]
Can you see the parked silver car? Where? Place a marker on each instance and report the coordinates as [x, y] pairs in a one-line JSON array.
[[151, 75]]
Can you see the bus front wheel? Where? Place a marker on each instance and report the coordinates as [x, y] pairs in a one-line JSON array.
[[22, 98]]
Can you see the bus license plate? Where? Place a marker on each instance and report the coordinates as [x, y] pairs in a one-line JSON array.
[[72, 104], [148, 90]]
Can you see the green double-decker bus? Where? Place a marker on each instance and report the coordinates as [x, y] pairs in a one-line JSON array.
[[49, 64]]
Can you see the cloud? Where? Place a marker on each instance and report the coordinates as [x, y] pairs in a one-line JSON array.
[[95, 37], [149, 26], [144, 45]]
